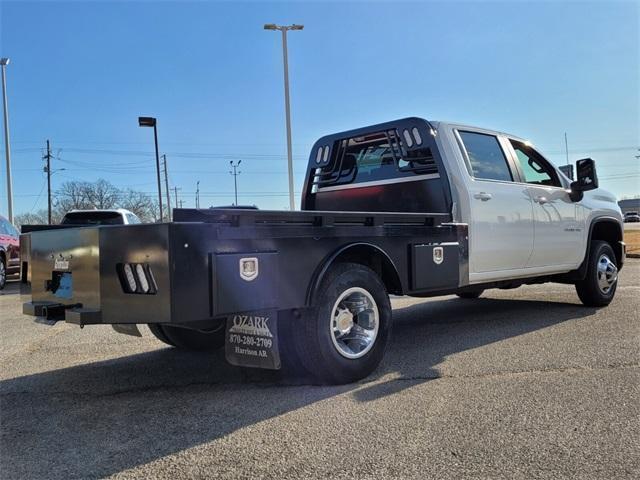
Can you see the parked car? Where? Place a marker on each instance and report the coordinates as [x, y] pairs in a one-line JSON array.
[[119, 216], [9, 251], [631, 217], [407, 207]]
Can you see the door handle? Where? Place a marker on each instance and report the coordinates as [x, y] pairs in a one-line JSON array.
[[484, 196], [541, 199]]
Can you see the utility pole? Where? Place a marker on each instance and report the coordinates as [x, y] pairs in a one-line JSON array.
[[175, 189], [235, 174], [198, 194], [7, 150], [47, 169], [566, 147], [166, 184]]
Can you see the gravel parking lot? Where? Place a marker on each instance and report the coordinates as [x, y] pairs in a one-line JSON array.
[[523, 383]]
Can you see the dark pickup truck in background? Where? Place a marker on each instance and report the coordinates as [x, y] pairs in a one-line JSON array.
[[386, 209]]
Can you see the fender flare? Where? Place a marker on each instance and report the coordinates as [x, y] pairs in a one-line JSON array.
[[582, 269], [330, 259]]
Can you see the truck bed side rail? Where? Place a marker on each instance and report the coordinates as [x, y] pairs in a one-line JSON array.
[[234, 217], [39, 228]]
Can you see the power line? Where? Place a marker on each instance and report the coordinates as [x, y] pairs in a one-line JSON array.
[[44, 184]]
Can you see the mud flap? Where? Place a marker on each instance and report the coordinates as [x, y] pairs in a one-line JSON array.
[[251, 340]]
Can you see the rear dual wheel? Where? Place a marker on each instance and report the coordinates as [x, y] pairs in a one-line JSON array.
[[187, 339], [471, 294], [343, 338]]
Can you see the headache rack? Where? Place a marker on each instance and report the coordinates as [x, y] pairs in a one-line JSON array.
[[393, 158]]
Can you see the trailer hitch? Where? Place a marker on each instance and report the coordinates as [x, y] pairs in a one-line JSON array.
[[57, 311], [48, 312]]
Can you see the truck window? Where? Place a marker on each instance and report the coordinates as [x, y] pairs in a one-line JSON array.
[[535, 169], [374, 157], [92, 218], [486, 158], [132, 219]]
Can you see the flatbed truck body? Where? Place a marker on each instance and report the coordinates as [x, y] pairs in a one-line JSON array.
[[396, 208]]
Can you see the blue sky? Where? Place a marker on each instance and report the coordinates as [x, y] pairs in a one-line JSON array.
[[82, 72]]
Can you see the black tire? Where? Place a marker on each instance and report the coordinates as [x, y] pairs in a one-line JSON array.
[[3, 272], [158, 332], [590, 289], [187, 339], [314, 337], [470, 295]]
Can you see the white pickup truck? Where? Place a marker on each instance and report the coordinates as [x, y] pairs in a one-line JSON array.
[[408, 207]]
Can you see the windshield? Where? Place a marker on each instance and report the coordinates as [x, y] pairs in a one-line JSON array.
[[92, 218]]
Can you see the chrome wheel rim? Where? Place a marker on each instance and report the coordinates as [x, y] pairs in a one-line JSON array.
[[3, 273], [354, 323], [607, 274]]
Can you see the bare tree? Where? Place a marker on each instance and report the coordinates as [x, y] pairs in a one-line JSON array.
[[102, 194], [38, 218], [141, 204], [77, 195], [72, 196]]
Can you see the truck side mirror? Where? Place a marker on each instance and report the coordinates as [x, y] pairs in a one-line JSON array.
[[587, 178]]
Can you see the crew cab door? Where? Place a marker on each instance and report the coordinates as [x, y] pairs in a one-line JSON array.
[[558, 223], [501, 212]]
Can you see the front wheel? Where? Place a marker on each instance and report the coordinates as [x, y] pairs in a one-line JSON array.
[[187, 339], [599, 286], [343, 338], [3, 272]]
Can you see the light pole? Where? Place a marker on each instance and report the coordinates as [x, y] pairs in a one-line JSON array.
[[284, 29], [235, 174], [152, 122], [7, 150]]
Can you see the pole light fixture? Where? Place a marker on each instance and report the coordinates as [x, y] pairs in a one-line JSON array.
[[152, 122], [7, 148], [146, 121], [284, 29]]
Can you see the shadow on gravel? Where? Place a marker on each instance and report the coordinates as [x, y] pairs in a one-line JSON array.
[[11, 288], [101, 418]]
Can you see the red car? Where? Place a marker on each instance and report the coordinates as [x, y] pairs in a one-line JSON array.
[[9, 251]]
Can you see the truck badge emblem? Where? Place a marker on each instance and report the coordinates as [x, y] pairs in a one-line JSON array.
[[438, 255], [249, 268]]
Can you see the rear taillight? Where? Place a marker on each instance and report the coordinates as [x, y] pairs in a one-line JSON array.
[[136, 278]]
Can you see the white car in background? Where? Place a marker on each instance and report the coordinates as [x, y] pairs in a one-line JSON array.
[[118, 216]]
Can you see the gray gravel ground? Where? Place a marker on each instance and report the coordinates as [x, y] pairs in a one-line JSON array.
[[521, 383]]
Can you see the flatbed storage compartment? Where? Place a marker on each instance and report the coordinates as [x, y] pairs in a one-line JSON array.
[[77, 273], [435, 266]]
